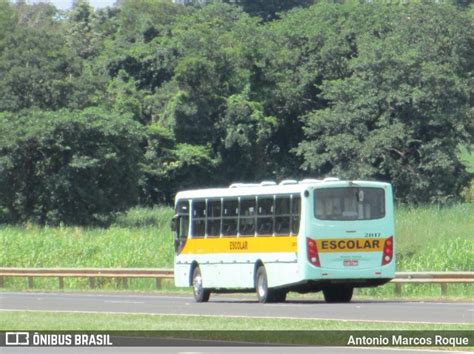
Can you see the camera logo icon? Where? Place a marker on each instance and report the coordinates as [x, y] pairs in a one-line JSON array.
[[17, 338]]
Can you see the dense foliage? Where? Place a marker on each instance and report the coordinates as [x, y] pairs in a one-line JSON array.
[[103, 109], [69, 167]]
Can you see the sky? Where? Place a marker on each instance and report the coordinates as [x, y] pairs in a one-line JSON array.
[[66, 4]]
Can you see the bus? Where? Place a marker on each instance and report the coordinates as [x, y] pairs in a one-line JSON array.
[[304, 236]]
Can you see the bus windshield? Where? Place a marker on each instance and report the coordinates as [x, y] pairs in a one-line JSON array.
[[349, 203]]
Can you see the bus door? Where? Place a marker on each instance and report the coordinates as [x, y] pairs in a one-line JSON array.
[[350, 226], [180, 225]]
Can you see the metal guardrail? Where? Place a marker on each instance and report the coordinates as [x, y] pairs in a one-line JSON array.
[[121, 276], [441, 278]]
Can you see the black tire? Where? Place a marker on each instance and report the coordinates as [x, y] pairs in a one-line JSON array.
[[279, 296], [338, 294], [200, 294], [264, 294]]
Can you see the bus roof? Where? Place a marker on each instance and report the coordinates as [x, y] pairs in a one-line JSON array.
[[268, 187]]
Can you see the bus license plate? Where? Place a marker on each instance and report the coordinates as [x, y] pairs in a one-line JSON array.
[[351, 262]]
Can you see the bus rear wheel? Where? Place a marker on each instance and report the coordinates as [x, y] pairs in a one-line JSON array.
[[200, 294], [264, 294], [261, 285], [338, 293]]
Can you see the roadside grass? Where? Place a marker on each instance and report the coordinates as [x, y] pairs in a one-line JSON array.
[[141, 238], [435, 238], [43, 320], [432, 239], [428, 239]]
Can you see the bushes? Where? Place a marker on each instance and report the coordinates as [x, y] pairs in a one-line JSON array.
[[76, 168]]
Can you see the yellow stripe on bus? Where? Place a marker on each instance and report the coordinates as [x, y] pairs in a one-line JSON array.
[[351, 245], [240, 245]]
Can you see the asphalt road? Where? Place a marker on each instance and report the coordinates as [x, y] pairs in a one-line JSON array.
[[373, 311]]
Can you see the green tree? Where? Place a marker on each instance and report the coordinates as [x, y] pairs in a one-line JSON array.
[[71, 167], [37, 16], [247, 140], [8, 18], [402, 113], [37, 70], [81, 36], [146, 19], [269, 10], [298, 52], [124, 97], [168, 165]]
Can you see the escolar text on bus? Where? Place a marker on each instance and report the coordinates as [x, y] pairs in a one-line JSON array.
[[238, 245], [350, 244]]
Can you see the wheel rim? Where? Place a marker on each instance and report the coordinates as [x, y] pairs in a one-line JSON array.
[[261, 286], [197, 284]]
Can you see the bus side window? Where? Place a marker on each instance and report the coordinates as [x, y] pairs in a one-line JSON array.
[[295, 214], [230, 214], [199, 218], [265, 216], [282, 215], [214, 218], [247, 217]]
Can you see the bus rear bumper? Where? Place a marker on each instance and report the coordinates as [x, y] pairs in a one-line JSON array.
[[315, 285], [318, 278], [334, 274]]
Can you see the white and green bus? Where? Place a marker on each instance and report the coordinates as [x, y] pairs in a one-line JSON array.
[[313, 235]]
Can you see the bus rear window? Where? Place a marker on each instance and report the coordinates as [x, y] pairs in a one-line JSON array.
[[349, 203]]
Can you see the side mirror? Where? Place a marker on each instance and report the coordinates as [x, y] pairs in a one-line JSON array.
[[174, 223]]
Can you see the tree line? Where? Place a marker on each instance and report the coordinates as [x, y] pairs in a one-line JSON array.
[[104, 109]]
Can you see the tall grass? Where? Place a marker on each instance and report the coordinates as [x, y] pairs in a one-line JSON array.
[[434, 238], [428, 239], [141, 238]]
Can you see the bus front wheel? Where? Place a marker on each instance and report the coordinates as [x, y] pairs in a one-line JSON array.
[[200, 294], [338, 294]]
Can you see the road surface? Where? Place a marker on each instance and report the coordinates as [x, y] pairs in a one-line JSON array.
[[224, 305]]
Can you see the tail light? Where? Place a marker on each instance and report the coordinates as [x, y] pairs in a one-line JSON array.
[[312, 250], [387, 251]]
